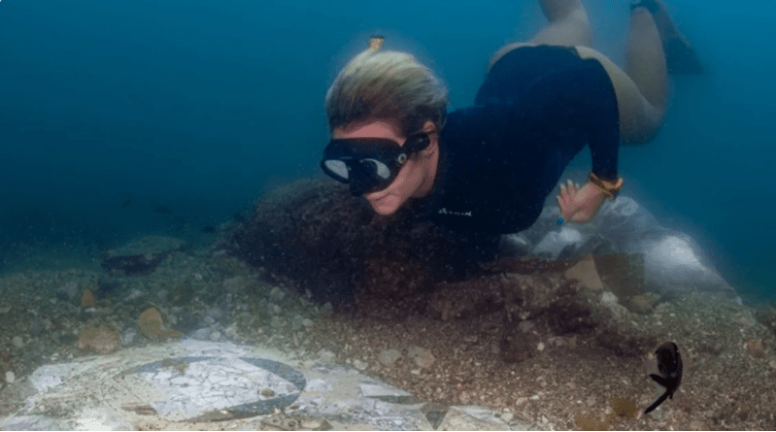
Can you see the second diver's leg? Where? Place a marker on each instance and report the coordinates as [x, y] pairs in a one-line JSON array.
[[568, 26], [642, 92], [680, 55]]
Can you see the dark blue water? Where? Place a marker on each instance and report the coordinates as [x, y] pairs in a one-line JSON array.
[[137, 116]]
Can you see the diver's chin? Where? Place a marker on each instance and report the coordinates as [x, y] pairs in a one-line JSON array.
[[384, 206]]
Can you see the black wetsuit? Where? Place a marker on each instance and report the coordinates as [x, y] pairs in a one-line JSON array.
[[500, 158]]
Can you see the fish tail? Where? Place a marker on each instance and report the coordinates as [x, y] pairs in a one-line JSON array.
[[657, 402]]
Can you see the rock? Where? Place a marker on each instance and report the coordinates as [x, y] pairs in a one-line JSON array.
[[215, 336], [276, 295], [643, 303], [425, 359], [233, 284], [327, 310], [622, 274], [140, 256], [585, 273], [296, 324], [414, 351], [70, 289], [756, 348], [609, 300], [311, 424], [326, 356], [87, 299], [37, 326], [360, 365], [507, 417], [102, 339], [307, 323], [128, 337], [389, 357], [17, 341], [151, 325], [276, 322], [201, 334], [10, 377]]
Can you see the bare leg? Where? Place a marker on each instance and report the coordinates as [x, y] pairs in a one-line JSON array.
[[645, 61], [568, 26], [642, 92]]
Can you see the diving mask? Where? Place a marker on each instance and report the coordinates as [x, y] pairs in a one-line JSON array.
[[369, 164]]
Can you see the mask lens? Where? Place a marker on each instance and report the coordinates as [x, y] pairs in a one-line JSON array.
[[337, 168], [377, 168]]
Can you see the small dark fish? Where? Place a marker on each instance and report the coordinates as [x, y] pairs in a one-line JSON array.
[[209, 229], [669, 362]]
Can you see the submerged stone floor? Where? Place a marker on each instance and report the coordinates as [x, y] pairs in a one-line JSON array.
[[192, 385]]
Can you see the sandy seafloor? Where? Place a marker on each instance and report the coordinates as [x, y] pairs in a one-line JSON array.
[[567, 383]]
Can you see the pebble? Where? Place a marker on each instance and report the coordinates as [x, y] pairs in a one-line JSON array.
[[327, 310], [311, 424], [326, 356], [307, 322], [70, 289], [540, 347], [276, 295], [129, 336], [525, 326], [772, 364], [388, 357], [425, 359], [756, 348], [201, 334], [358, 364], [18, 342], [276, 322], [414, 351], [10, 377], [216, 335], [507, 417], [297, 324]]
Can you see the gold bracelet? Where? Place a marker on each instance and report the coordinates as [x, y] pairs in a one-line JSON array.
[[608, 188]]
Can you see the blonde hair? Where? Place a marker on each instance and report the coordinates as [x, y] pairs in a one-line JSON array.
[[386, 85]]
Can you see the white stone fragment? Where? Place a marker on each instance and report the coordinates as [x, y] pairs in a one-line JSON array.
[[10, 377]]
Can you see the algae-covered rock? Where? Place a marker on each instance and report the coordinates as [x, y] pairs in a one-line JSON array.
[[315, 235]]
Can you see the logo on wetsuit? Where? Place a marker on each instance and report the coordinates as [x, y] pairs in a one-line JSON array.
[[445, 211]]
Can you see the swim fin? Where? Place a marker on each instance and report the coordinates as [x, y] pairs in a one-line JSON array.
[[680, 55]]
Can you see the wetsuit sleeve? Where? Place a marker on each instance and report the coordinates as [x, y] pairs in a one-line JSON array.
[[602, 122]]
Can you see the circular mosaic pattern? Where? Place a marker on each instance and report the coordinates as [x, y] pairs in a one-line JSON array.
[[213, 388]]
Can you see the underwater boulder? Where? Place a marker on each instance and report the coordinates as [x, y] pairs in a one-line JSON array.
[[140, 256], [314, 235]]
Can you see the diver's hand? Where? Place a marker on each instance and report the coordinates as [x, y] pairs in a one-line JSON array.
[[579, 204]]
